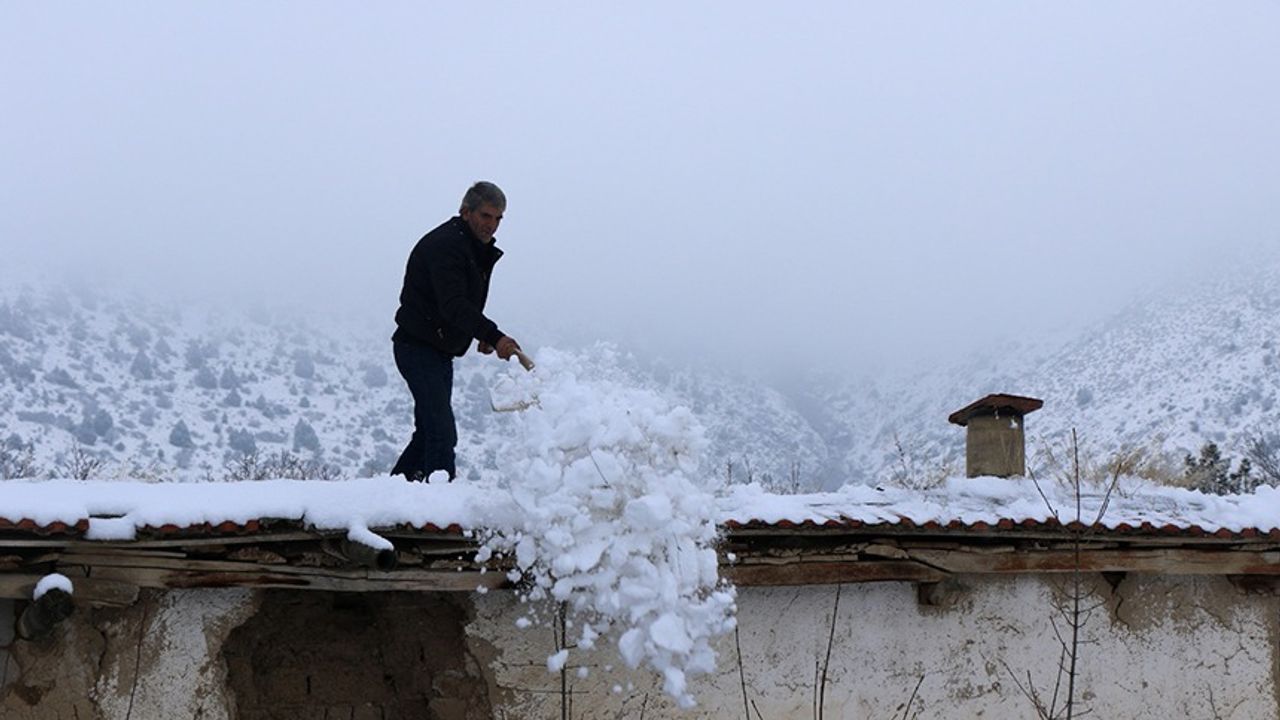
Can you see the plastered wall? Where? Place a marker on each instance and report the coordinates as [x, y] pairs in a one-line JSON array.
[[1193, 647], [1153, 647]]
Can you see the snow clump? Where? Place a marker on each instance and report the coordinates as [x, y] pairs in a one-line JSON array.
[[609, 523], [54, 581]]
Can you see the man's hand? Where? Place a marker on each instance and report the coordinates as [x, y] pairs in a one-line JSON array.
[[484, 347], [506, 347]]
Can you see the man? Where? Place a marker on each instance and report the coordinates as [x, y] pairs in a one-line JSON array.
[[446, 283]]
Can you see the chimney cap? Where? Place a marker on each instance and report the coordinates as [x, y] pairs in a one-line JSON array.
[[996, 404]]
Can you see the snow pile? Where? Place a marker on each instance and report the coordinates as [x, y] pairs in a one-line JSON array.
[[54, 581], [608, 522]]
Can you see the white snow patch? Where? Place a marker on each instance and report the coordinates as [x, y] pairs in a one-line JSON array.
[[54, 581], [359, 532], [555, 663], [121, 528]]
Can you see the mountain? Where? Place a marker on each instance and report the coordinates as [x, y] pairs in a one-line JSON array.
[[108, 386], [94, 384], [1187, 365]]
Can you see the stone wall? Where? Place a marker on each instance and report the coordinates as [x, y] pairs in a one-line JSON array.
[[7, 626], [158, 658], [1155, 647], [274, 655]]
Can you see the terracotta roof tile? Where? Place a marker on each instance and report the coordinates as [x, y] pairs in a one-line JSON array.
[[27, 526]]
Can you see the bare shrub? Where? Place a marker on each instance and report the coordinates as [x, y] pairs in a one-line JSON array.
[[1263, 450], [912, 472], [790, 485], [80, 464], [1093, 469], [253, 466], [18, 462], [1072, 608]]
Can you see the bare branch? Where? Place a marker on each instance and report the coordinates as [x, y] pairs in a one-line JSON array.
[[742, 677], [1028, 690], [826, 663], [906, 713]]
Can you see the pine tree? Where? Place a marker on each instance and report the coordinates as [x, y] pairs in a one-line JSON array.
[[1211, 473], [180, 436]]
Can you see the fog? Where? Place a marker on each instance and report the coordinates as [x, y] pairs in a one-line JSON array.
[[816, 184]]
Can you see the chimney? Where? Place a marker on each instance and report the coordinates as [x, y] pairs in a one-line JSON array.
[[995, 443]]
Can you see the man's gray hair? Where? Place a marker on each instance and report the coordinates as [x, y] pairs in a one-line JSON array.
[[483, 193]]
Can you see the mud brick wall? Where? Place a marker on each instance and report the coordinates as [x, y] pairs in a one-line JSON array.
[[356, 656]]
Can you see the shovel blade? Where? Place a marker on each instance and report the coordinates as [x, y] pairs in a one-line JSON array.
[[507, 395]]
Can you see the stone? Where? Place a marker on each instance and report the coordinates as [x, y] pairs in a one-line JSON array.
[[6, 623]]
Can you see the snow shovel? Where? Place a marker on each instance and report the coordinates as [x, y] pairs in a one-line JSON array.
[[506, 397]]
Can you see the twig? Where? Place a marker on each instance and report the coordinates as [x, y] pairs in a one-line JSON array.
[[826, 663], [137, 659], [1028, 690], [1073, 609], [902, 460], [817, 670], [561, 641], [1052, 510], [1057, 684], [1075, 582], [906, 713], [1106, 498], [742, 677], [600, 472], [1075, 470]]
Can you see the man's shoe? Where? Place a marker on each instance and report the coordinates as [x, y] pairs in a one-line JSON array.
[[416, 476]]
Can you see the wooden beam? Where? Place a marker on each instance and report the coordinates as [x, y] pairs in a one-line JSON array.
[[1159, 561], [830, 573], [91, 591], [306, 579]]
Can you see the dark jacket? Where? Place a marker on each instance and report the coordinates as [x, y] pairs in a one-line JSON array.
[[446, 283]]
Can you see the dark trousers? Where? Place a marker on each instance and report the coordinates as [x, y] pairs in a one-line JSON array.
[[429, 375]]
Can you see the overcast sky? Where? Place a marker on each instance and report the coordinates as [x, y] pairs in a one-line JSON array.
[[848, 181]]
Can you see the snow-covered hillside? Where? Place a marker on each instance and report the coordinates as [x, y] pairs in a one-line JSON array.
[[157, 392], [145, 391], [1188, 365]]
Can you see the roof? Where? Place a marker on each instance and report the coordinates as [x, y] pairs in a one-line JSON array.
[[303, 535], [129, 511], [997, 404]]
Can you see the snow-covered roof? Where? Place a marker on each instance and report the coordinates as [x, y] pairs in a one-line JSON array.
[[994, 404], [119, 511]]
